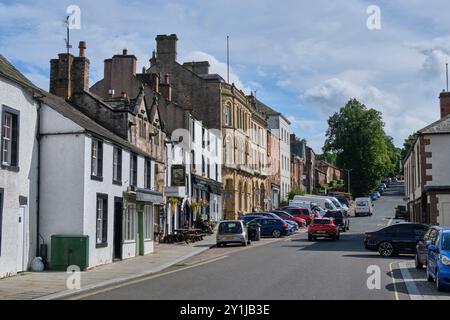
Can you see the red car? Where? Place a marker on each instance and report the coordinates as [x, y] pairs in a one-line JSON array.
[[323, 228], [286, 216], [303, 213]]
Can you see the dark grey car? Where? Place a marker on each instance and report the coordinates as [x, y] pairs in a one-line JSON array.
[[422, 246]]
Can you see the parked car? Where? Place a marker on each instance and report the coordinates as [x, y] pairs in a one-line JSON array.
[[378, 194], [363, 206], [373, 196], [300, 212], [422, 246], [340, 219], [438, 260], [401, 212], [323, 228], [273, 227], [334, 200], [294, 226], [381, 190], [395, 239], [343, 200], [288, 217], [233, 231], [273, 215]]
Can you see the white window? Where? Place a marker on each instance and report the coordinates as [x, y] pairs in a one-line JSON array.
[[117, 165], [227, 115], [148, 222], [129, 222], [102, 220], [97, 158]]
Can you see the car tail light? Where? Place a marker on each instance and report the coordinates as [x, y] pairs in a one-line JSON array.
[[369, 235]]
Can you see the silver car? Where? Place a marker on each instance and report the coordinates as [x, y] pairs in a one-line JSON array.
[[233, 231]]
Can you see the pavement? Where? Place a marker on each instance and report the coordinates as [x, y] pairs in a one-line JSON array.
[[53, 285]]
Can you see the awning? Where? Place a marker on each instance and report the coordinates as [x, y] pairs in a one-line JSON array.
[[149, 196]]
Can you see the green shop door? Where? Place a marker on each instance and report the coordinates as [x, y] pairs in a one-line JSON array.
[[140, 234]]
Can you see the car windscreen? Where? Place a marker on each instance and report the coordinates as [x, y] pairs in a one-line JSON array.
[[322, 221], [230, 228], [446, 241], [362, 203]]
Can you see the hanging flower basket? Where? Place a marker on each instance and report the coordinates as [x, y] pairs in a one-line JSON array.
[[173, 203]]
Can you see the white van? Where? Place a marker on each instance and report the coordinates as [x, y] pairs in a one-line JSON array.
[[335, 201], [325, 203], [363, 206]]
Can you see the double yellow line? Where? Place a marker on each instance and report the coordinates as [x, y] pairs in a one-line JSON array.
[[143, 279]]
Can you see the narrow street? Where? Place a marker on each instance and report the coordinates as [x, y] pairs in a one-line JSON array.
[[291, 268]]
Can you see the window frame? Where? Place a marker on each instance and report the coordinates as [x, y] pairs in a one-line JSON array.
[[129, 223], [11, 164], [133, 169], [148, 173], [117, 165], [99, 159], [104, 221], [2, 199]]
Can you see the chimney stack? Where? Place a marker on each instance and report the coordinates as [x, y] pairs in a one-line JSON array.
[[125, 52], [80, 71], [82, 47], [68, 74], [444, 103], [199, 67], [166, 48]]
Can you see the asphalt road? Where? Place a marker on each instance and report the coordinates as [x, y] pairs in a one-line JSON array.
[[288, 269]]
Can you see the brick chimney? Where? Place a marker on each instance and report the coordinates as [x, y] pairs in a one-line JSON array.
[[166, 48], [199, 67], [166, 89], [68, 74], [61, 75], [119, 73], [445, 103], [80, 71]]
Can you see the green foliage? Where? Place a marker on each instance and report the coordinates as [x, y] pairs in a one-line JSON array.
[[295, 192], [407, 145], [356, 136], [327, 157]]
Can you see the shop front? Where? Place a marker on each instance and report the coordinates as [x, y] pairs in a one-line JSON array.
[[141, 209], [207, 198]]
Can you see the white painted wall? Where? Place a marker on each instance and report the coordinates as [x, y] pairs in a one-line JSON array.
[[440, 148], [21, 183], [444, 210]]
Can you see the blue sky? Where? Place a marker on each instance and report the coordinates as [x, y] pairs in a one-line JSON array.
[[304, 58]]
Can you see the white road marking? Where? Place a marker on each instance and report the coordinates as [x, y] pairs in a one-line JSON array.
[[413, 292]]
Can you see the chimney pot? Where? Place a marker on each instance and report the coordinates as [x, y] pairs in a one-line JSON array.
[[125, 52], [82, 47]]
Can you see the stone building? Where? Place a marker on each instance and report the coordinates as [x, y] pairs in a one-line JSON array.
[[135, 119], [273, 161], [310, 164], [427, 173], [223, 107], [279, 125], [297, 173]]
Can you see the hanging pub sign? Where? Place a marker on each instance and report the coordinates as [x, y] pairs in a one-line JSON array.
[[178, 173]]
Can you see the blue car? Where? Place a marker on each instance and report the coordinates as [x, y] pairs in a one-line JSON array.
[[271, 227], [438, 260], [374, 196]]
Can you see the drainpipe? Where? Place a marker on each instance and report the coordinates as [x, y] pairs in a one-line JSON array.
[[38, 137]]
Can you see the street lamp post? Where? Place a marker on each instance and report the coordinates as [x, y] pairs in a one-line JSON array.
[[348, 173]]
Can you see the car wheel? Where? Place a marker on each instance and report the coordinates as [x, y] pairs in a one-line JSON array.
[[310, 238], [218, 245], [418, 264], [276, 233], [386, 249], [429, 276], [439, 285]]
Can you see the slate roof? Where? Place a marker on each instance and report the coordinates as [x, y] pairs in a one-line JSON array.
[[61, 106], [440, 126]]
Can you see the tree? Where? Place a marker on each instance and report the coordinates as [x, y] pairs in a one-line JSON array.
[[407, 145], [356, 136], [327, 157]]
